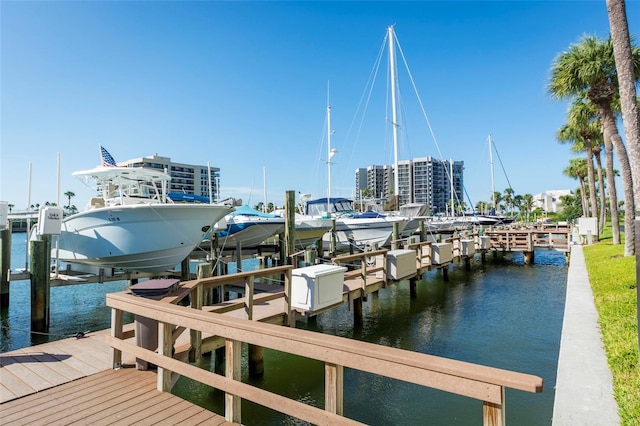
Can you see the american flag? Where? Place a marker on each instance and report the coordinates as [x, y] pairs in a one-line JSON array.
[[107, 159]]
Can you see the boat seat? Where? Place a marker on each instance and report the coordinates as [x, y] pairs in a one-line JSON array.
[[96, 202]]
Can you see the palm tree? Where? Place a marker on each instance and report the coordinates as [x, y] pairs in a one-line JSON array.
[[578, 132], [11, 206], [588, 68], [508, 198], [497, 199], [527, 204], [69, 196], [583, 130], [577, 169], [628, 72]]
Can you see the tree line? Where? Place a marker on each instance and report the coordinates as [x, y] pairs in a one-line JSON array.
[[598, 78]]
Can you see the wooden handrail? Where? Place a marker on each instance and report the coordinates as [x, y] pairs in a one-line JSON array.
[[480, 382]]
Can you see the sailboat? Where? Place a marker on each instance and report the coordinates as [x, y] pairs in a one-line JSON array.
[[493, 218], [352, 229]]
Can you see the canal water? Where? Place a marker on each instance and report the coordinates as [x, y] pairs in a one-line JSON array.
[[503, 314]]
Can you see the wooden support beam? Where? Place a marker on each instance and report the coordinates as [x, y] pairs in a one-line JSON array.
[[116, 331], [493, 413], [334, 388], [233, 356]]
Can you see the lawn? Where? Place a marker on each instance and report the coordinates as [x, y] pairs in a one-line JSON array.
[[613, 280]]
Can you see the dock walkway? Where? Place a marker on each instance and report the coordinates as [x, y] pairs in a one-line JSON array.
[[71, 381], [584, 385]]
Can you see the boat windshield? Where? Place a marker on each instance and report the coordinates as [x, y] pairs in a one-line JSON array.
[[338, 207]]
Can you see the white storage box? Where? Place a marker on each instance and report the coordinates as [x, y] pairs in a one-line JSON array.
[[485, 242], [441, 253], [401, 264], [467, 247], [316, 287], [49, 220]]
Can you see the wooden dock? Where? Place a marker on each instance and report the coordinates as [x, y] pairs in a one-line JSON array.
[[71, 381]]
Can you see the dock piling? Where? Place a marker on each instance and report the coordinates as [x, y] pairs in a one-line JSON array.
[[5, 264], [40, 297]]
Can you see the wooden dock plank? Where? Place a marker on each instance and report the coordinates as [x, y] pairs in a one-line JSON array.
[[65, 370], [110, 397], [105, 401], [134, 406], [72, 397], [40, 370], [196, 419], [12, 386], [42, 400]]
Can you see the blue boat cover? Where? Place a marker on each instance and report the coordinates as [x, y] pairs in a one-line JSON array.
[[179, 197], [245, 210]]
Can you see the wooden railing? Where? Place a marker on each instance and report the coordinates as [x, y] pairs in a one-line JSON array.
[[475, 381], [364, 266], [529, 240]]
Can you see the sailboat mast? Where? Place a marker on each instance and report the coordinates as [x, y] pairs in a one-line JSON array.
[[394, 120], [453, 213], [493, 186], [329, 154]]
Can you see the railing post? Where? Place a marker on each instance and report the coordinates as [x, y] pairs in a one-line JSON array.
[[116, 331], [233, 371], [165, 347], [197, 296], [291, 320], [493, 414], [334, 388], [248, 296]]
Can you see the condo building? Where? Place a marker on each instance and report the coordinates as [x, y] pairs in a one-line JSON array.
[[185, 178], [424, 180]]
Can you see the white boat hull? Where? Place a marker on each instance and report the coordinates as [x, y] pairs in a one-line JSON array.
[[364, 232], [249, 233], [140, 237], [310, 230]]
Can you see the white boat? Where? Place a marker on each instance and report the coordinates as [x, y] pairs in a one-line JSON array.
[[362, 230], [248, 227], [308, 229], [131, 224]]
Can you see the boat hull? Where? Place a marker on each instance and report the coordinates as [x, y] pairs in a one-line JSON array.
[[142, 237], [364, 232], [249, 233], [310, 230]]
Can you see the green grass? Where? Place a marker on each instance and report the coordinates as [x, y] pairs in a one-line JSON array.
[[613, 280]]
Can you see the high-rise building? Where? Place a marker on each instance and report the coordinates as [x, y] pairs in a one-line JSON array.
[[424, 180], [185, 178]]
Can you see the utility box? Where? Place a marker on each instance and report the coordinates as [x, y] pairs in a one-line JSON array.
[[316, 287], [401, 264], [49, 220], [484, 242], [441, 253], [4, 215], [467, 247]]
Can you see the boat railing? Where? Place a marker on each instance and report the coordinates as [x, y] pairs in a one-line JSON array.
[[483, 383]]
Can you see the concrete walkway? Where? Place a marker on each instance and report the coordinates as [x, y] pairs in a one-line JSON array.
[[584, 386]]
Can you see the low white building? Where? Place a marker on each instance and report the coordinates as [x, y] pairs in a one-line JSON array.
[[550, 201]]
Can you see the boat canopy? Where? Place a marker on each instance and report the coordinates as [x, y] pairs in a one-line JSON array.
[[318, 207], [246, 210]]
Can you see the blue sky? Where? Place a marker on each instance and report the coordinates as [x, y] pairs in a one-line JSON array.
[[243, 86]]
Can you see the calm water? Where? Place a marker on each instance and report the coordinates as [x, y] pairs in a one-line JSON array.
[[503, 314]]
